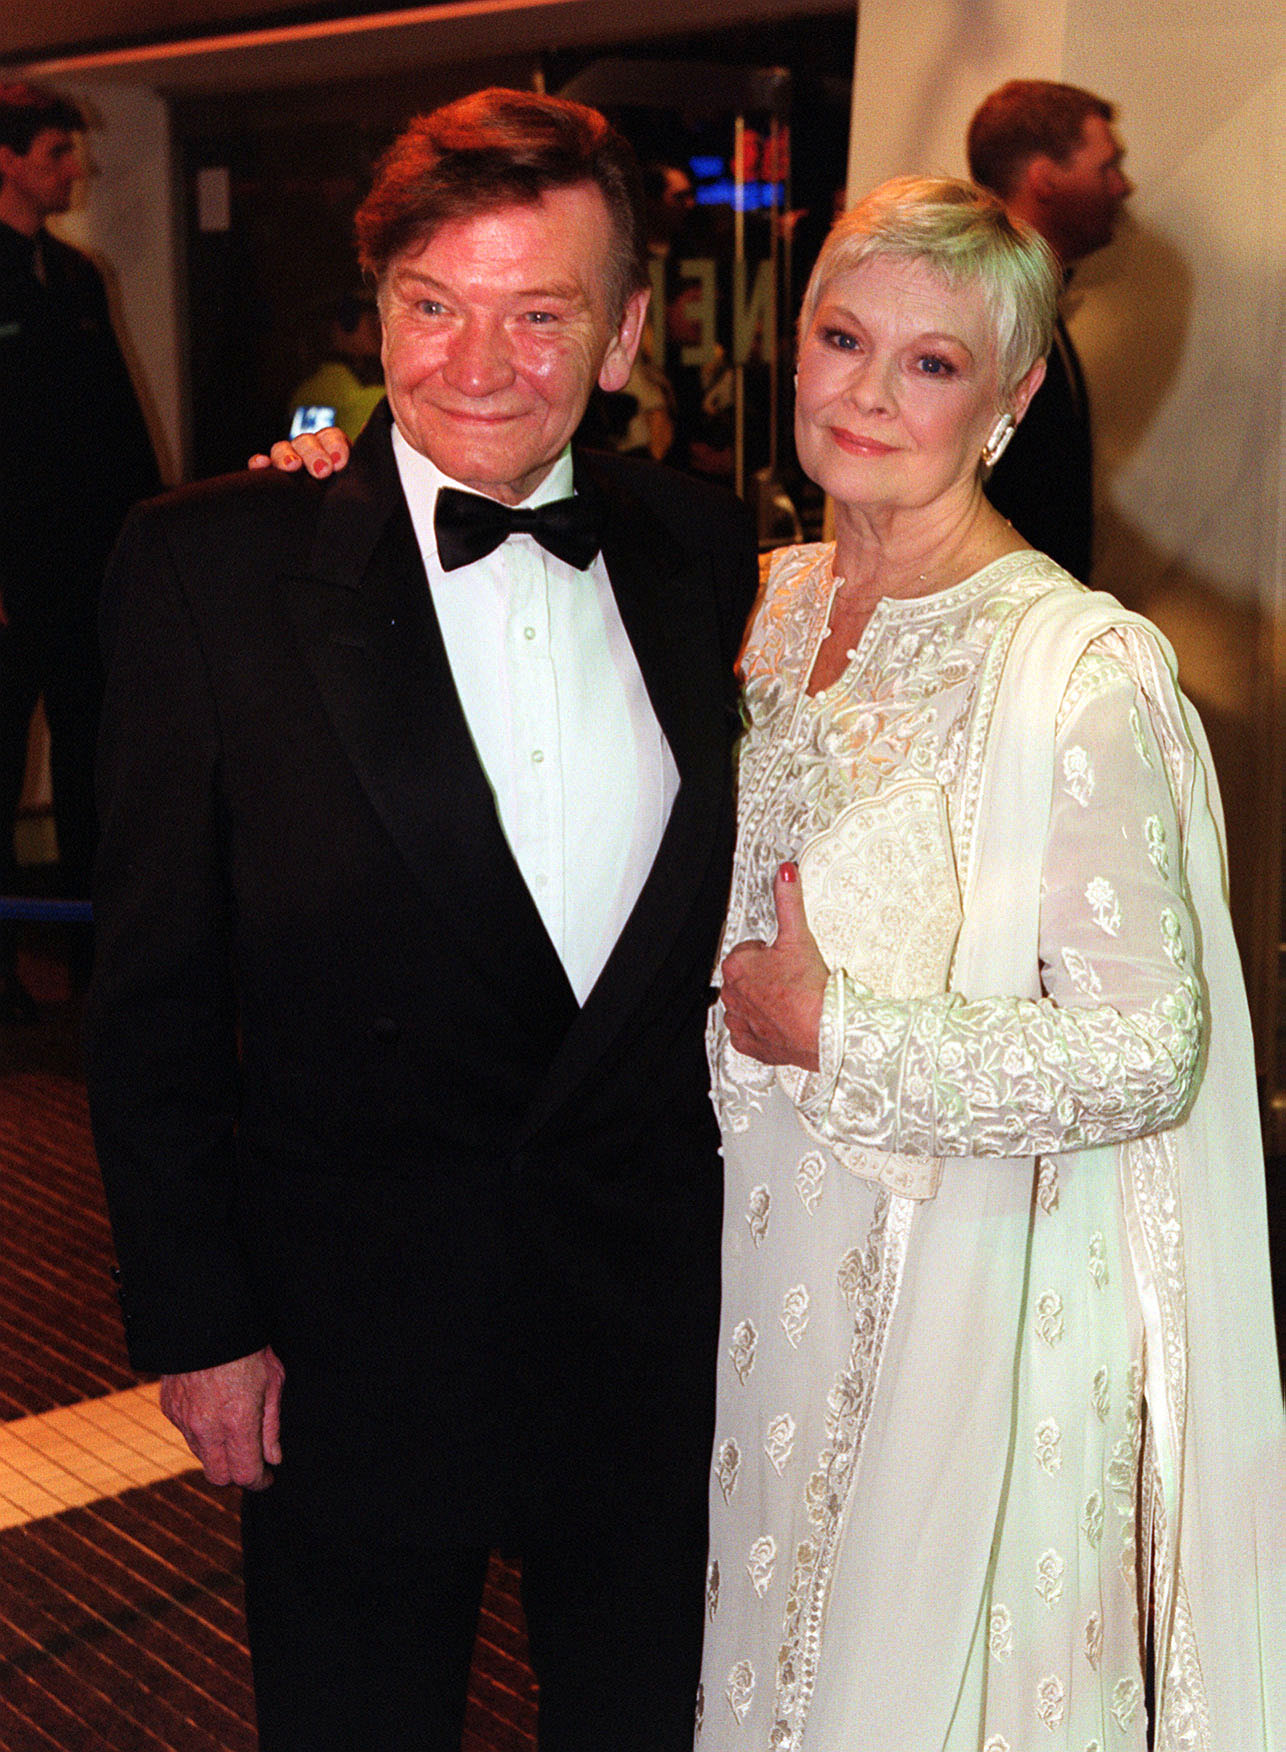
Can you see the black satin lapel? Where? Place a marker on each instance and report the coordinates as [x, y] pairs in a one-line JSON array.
[[371, 640]]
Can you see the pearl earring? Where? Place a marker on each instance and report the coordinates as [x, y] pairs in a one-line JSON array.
[[997, 439]]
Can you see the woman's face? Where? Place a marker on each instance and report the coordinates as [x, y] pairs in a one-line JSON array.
[[898, 386]]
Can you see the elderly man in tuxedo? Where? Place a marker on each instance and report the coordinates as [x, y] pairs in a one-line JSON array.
[[416, 801]]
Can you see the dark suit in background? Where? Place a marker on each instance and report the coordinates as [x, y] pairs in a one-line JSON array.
[[1044, 482], [68, 410]]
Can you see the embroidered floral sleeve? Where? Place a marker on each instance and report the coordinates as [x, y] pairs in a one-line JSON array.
[[1110, 1050]]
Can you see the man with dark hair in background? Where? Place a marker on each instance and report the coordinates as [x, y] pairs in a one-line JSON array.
[[1051, 153], [69, 411], [417, 829]]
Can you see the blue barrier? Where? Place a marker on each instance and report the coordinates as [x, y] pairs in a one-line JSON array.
[[24, 906]]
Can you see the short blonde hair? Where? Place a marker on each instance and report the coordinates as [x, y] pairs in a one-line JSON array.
[[964, 234]]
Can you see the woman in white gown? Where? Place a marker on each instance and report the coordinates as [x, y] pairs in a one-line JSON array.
[[998, 1398]]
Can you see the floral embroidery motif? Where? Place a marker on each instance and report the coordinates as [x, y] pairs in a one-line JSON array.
[[1158, 851], [745, 1342], [1092, 1519], [1125, 1700], [1051, 1701], [727, 1467], [741, 1689], [808, 1179], [1104, 905], [1172, 937], [760, 1563], [1094, 1640], [1016, 1059], [1049, 1317], [1049, 1577], [852, 1275], [997, 1743], [794, 1313], [1098, 1259], [780, 1443], [1000, 1637], [1049, 1446], [1081, 974], [1047, 1184], [757, 1214], [1101, 1394], [712, 1588], [1121, 1474], [1078, 775]]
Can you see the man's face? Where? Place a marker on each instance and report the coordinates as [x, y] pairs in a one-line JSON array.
[[496, 331], [46, 173], [1088, 190]]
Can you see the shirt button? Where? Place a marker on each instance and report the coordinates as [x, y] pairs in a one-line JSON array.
[[529, 632], [537, 755]]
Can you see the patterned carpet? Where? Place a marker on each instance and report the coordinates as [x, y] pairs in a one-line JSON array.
[[121, 1623]]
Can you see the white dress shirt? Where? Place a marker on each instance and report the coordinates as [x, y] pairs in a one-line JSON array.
[[582, 776]]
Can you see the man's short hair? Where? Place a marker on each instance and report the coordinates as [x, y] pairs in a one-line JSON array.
[[27, 110], [499, 148], [1026, 119]]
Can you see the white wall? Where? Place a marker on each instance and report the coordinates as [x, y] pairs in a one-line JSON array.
[[125, 221], [922, 68], [1181, 326]]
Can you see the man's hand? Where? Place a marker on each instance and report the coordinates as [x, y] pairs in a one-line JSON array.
[[230, 1417], [321, 453], [772, 996]]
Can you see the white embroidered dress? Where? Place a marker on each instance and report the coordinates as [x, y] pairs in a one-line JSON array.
[[938, 1503]]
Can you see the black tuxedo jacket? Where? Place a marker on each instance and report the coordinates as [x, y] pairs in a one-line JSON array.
[[344, 1099]]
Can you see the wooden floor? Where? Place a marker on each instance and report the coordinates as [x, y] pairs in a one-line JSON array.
[[121, 1623]]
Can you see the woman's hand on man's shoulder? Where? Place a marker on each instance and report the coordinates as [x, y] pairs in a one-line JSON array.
[[321, 453]]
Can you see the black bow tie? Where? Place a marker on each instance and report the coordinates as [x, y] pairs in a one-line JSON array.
[[469, 526]]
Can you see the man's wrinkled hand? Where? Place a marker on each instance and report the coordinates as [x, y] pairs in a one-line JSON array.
[[230, 1417], [772, 993], [321, 453]]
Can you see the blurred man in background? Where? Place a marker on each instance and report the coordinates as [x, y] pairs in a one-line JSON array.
[[347, 384], [1052, 155], [64, 387]]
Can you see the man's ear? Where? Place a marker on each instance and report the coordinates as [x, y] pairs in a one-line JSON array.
[[614, 372], [1027, 387], [1043, 178]]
